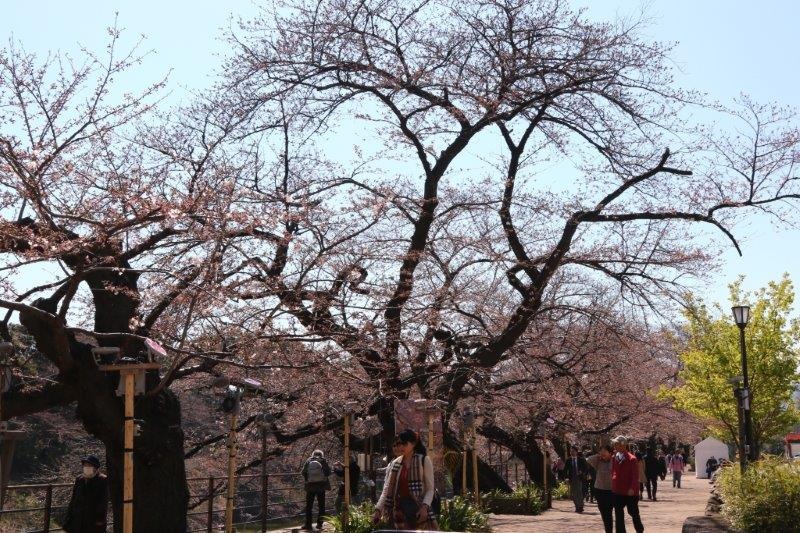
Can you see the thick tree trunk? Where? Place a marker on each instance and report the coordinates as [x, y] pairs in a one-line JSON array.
[[161, 494], [160, 490]]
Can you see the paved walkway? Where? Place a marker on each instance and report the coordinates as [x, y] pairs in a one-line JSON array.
[[664, 516]]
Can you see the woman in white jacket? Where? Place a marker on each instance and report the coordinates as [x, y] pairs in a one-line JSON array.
[[408, 488]]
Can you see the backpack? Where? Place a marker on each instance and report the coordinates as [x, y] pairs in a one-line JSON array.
[[316, 473]]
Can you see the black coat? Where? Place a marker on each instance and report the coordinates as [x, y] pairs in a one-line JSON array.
[[88, 506], [583, 468], [654, 467]]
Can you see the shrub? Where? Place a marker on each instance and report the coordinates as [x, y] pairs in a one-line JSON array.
[[459, 514], [766, 499], [561, 491], [359, 521], [524, 499]]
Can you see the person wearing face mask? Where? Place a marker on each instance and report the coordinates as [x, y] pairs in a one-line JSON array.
[[89, 503]]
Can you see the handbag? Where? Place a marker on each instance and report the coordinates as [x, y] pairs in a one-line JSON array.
[[436, 503], [409, 508]]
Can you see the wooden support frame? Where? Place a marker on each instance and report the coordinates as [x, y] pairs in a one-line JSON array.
[[128, 374]]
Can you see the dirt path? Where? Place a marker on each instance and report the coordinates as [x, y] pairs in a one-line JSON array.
[[664, 516]]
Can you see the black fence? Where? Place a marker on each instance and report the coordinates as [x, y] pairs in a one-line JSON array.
[[260, 501]]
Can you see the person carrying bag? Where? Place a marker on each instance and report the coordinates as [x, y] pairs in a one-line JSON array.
[[407, 496]]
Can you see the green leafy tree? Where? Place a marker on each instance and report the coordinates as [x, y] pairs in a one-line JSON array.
[[711, 357]]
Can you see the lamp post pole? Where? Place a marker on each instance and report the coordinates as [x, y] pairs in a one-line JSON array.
[[747, 399], [741, 315], [737, 393]]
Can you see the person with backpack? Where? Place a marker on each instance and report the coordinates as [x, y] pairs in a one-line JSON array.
[[315, 473], [408, 494], [676, 466]]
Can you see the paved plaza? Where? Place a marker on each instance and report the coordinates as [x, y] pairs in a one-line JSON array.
[[664, 516]]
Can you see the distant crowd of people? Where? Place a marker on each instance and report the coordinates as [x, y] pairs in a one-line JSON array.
[[616, 478]]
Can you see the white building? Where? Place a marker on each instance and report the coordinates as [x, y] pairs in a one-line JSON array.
[[703, 450]]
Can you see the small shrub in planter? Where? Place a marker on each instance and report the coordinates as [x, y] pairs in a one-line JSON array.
[[766, 499], [359, 521], [561, 491], [525, 499], [460, 514]]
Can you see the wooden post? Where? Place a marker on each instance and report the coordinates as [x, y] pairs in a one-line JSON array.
[[231, 475], [547, 498], [210, 508], [127, 375], [264, 499], [475, 486], [48, 505], [464, 473], [430, 429], [346, 506], [127, 491]]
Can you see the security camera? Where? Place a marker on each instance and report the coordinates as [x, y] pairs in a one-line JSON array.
[[232, 399]]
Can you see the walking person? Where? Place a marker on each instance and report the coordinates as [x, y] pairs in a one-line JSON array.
[[408, 493], [676, 466], [654, 468], [625, 485], [642, 476], [88, 505], [575, 470], [588, 486], [601, 463], [316, 472]]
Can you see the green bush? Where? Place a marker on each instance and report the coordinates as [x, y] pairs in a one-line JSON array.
[[561, 491], [359, 521], [460, 514], [766, 499], [524, 499]]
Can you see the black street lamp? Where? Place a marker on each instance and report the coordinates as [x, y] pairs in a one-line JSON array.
[[736, 382], [741, 315]]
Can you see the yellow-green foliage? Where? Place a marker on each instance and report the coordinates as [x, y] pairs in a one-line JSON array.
[[561, 491], [712, 356], [459, 514], [359, 519], [766, 500]]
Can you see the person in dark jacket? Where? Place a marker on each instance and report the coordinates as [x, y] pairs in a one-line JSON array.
[[355, 479], [576, 470], [654, 468], [315, 473], [89, 503]]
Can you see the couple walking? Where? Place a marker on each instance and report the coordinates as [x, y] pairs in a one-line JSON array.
[[616, 485]]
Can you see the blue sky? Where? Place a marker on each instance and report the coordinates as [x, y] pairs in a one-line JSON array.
[[723, 48]]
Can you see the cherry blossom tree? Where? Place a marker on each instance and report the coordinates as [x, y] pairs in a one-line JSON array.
[[513, 221]]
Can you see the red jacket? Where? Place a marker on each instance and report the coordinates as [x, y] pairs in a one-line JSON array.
[[625, 475]]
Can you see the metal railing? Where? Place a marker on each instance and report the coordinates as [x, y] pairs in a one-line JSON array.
[[259, 500], [513, 473]]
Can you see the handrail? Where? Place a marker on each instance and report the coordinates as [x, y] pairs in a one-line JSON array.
[[46, 504]]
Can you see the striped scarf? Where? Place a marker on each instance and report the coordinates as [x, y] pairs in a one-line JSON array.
[[415, 480]]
